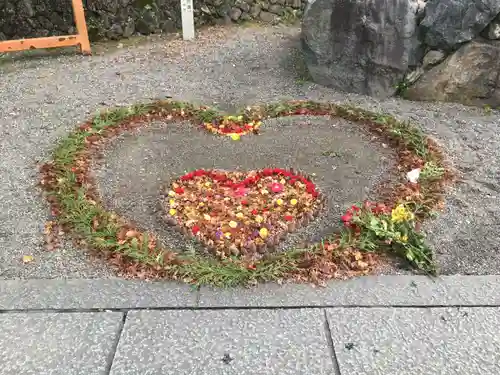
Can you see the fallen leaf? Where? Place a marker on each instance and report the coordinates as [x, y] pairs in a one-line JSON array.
[[27, 259]]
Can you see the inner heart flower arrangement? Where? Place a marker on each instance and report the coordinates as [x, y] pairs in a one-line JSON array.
[[236, 213], [242, 216]]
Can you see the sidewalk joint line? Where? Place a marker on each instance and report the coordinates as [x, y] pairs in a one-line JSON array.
[[331, 347], [201, 308], [112, 353]]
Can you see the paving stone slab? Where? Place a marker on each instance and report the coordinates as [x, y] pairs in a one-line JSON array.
[[411, 341], [256, 342], [93, 294], [391, 290], [57, 344], [400, 290]]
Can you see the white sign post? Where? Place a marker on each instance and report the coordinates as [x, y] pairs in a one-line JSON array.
[[187, 17]]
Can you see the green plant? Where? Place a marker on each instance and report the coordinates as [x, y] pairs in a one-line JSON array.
[[431, 172], [375, 226], [402, 87], [290, 16]]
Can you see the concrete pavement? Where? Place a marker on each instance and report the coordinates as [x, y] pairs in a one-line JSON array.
[[387, 325]]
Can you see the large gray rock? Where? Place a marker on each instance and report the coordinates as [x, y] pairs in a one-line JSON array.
[[359, 46], [449, 23], [469, 76]]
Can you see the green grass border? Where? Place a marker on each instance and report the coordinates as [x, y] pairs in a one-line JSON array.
[[76, 205]]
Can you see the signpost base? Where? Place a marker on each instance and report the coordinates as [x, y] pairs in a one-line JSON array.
[[81, 39]]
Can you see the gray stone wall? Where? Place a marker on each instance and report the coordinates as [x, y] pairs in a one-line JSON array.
[[114, 19]]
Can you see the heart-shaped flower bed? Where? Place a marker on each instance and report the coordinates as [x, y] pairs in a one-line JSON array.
[[247, 213], [235, 213]]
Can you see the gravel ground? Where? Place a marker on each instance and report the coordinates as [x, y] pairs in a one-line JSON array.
[[42, 99], [138, 165]]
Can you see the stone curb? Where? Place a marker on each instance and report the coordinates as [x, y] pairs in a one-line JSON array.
[[369, 291]]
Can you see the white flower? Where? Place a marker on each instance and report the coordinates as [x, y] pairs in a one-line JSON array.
[[413, 175]]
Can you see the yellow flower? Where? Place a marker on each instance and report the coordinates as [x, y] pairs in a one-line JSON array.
[[235, 137], [404, 239], [172, 202], [171, 193], [257, 124], [239, 215], [263, 233], [264, 191], [240, 118], [233, 224], [279, 202], [207, 217], [172, 211], [227, 235], [259, 219], [201, 204], [208, 184], [400, 214], [293, 202]]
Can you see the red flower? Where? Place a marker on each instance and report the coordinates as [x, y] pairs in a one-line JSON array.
[[347, 217], [199, 172], [279, 171], [380, 208], [244, 202], [254, 212], [309, 185], [195, 229], [219, 177], [188, 176], [240, 191], [315, 194], [276, 187], [288, 217], [179, 190], [267, 172], [355, 208]]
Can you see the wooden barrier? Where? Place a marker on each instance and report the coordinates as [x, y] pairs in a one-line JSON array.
[[81, 39]]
